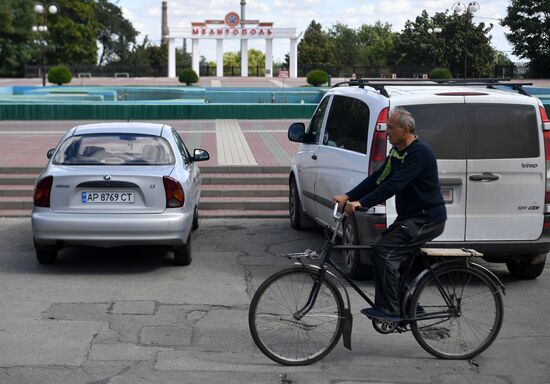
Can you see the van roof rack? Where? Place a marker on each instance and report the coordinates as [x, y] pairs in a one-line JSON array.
[[380, 84]]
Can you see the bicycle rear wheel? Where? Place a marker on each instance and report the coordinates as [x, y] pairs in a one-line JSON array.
[[285, 339], [466, 331]]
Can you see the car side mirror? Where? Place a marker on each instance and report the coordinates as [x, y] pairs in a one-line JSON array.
[[297, 133], [50, 153], [200, 155]]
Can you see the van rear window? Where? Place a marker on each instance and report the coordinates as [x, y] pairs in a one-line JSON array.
[[502, 131], [477, 130]]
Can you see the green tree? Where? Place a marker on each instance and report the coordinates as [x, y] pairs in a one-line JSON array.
[[256, 59], [115, 33], [460, 39], [316, 47], [529, 23], [73, 33], [345, 44], [376, 44], [16, 48]]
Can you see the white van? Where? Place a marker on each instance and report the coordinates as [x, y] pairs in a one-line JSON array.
[[492, 148]]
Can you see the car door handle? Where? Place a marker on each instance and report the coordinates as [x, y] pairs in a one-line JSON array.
[[485, 176], [314, 157]]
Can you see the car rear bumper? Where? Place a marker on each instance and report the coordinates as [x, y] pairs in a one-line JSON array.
[[104, 230]]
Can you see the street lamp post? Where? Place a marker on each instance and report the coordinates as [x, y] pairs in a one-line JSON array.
[[42, 29], [434, 31], [468, 10]]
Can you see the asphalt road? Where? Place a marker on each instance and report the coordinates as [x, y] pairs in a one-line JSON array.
[[130, 316]]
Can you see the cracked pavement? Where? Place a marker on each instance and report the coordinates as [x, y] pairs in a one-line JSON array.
[[129, 316]]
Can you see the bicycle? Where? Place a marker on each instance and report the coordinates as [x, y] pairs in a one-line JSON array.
[[453, 308]]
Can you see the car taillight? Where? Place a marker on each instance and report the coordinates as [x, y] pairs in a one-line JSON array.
[[546, 132], [174, 193], [378, 149], [43, 191]]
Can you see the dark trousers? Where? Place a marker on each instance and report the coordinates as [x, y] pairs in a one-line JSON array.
[[391, 251]]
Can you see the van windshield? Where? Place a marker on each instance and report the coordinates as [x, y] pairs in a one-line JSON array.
[[114, 149]]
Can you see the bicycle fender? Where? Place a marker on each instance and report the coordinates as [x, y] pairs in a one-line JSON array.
[[472, 265]]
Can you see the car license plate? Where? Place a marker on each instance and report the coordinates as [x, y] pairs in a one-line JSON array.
[[447, 195], [107, 197]]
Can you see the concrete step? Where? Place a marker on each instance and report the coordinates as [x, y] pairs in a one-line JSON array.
[[245, 179], [242, 191], [17, 190], [242, 214], [267, 190], [244, 203], [15, 202], [17, 178]]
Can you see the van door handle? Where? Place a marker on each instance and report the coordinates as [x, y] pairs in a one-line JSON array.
[[314, 157], [485, 176]]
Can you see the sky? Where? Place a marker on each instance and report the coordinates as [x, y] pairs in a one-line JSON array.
[[145, 15]]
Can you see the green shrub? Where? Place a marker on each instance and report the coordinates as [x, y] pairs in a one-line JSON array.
[[317, 77], [60, 74], [188, 76], [440, 73]]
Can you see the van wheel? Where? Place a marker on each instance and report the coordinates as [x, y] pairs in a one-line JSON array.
[[527, 269], [298, 219], [352, 258], [45, 255], [182, 255]]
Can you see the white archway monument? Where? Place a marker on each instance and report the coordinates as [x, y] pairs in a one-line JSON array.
[[233, 27]]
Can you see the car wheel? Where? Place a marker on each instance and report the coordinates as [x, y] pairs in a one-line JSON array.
[[298, 219], [46, 255], [195, 224], [352, 258], [182, 255], [527, 269]]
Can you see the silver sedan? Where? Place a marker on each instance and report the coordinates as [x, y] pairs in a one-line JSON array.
[[115, 184]]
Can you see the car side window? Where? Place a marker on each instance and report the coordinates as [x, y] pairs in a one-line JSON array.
[[181, 146], [347, 125], [316, 124]]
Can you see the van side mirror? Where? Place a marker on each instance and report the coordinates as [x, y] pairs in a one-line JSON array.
[[297, 133], [200, 155], [50, 153]]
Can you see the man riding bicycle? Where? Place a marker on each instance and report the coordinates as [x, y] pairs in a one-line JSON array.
[[410, 173]]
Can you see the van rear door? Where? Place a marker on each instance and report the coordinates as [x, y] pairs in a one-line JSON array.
[[506, 170], [440, 122]]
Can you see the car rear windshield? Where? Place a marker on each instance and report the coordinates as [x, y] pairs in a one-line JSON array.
[[114, 149], [478, 130]]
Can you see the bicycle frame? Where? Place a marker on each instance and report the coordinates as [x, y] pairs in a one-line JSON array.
[[326, 261]]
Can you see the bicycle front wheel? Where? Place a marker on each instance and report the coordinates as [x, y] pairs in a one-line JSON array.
[[282, 337], [467, 323]]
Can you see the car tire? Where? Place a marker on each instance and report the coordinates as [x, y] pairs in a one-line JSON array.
[[352, 259], [182, 255], [528, 269], [298, 219], [195, 224], [46, 255]]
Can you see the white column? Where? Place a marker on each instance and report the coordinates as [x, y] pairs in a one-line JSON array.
[[195, 60], [293, 70], [219, 58], [244, 57], [268, 57], [171, 57]]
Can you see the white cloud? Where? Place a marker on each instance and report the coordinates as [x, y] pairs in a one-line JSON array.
[[394, 7]]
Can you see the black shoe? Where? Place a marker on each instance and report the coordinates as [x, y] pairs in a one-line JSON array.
[[380, 314]]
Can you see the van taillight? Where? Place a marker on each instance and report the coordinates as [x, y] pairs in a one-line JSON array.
[[174, 193], [378, 149], [546, 132], [43, 191]]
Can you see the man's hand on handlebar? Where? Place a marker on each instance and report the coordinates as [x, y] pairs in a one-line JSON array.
[[340, 199], [344, 200]]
